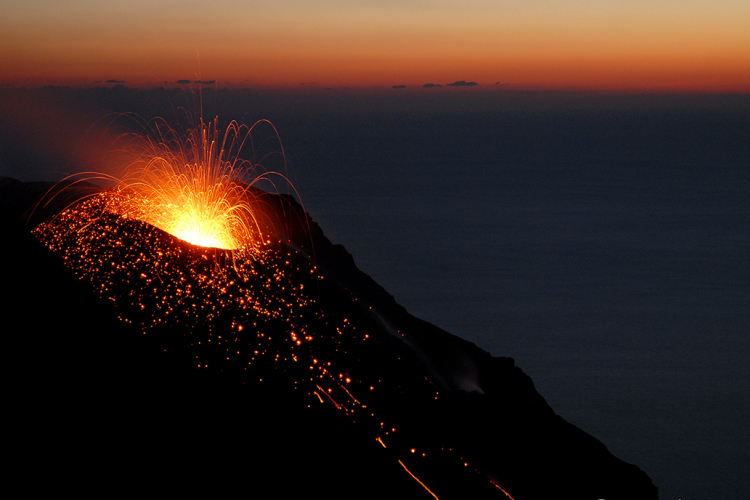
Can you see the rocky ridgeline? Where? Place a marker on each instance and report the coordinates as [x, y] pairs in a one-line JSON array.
[[329, 385]]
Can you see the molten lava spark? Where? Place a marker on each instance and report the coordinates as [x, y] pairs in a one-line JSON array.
[[194, 185]]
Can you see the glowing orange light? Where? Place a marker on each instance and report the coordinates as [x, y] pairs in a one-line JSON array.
[[417, 479], [501, 489], [188, 185], [193, 184]]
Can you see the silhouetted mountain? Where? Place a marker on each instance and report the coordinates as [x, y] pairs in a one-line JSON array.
[[348, 411]]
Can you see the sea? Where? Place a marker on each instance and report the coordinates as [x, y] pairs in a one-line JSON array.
[[607, 251], [602, 241]]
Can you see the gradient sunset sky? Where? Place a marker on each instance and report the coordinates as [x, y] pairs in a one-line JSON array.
[[683, 45]]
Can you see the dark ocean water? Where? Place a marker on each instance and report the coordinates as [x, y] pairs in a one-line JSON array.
[[603, 244], [609, 254]]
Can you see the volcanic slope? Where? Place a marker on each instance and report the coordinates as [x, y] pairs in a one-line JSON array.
[[282, 368]]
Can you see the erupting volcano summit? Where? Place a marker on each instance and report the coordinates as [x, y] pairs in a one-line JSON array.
[[285, 351]]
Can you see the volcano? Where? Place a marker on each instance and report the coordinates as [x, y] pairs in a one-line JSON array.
[[144, 363]]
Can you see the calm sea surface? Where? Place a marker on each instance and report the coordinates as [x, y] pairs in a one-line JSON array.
[[609, 254]]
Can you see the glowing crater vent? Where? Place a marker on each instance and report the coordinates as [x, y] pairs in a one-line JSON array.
[[189, 185], [210, 215]]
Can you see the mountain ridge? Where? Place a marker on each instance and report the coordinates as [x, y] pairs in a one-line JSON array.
[[487, 406]]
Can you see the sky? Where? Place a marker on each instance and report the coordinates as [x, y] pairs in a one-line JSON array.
[[639, 45]]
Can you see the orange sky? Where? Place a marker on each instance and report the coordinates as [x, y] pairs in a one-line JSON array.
[[636, 45]]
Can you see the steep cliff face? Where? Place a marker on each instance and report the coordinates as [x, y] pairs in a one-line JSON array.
[[291, 370]]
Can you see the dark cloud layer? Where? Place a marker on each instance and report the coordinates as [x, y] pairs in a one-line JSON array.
[[462, 83]]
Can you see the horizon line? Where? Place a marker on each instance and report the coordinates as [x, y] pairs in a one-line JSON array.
[[458, 86]]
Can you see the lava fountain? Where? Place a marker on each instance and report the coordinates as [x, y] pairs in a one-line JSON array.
[[191, 185]]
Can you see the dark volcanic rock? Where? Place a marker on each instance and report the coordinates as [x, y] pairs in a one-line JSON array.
[[133, 408]]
